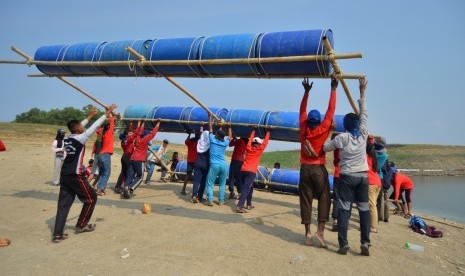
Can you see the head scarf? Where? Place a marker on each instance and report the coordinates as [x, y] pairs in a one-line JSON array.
[[380, 144], [313, 118], [204, 142], [351, 124]]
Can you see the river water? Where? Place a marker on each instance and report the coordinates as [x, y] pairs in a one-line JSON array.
[[440, 196]]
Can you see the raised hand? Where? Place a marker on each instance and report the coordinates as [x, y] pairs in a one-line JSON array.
[[306, 85]]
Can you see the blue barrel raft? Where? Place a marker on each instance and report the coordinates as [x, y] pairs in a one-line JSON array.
[[226, 47], [187, 119], [295, 43], [238, 46], [175, 49], [116, 51], [52, 53]]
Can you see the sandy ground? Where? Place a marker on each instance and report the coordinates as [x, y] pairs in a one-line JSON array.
[[181, 238]]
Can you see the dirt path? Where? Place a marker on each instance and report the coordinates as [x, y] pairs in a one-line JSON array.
[[181, 238]]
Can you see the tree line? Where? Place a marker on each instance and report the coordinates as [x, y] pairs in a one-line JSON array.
[[54, 116]]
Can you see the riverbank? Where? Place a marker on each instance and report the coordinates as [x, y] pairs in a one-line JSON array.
[[181, 238]]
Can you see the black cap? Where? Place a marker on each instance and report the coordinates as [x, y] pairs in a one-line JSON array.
[[166, 141]]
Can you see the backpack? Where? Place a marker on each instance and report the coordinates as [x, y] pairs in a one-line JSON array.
[[418, 224]]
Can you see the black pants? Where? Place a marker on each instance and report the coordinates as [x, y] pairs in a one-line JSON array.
[[353, 188], [125, 163], [72, 186]]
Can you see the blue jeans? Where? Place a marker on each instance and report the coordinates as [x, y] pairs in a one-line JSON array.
[[220, 170], [235, 175], [134, 177], [104, 162], [247, 179], [353, 188], [200, 180]]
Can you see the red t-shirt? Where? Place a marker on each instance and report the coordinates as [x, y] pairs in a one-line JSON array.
[[317, 136], [373, 176], [141, 145], [128, 144], [253, 154], [401, 182], [191, 150], [2, 146], [239, 149], [107, 139]]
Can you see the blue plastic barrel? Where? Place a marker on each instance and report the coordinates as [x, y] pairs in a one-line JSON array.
[[258, 183], [285, 176], [139, 112], [116, 51], [286, 119], [175, 49], [181, 167], [52, 53], [83, 52], [198, 114], [170, 113], [247, 116], [226, 47], [294, 43]]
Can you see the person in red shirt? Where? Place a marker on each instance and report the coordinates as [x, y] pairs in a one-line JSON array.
[[402, 184], [237, 159], [127, 145], [374, 184], [104, 156], [2, 146], [254, 149], [141, 143], [313, 180], [191, 144]]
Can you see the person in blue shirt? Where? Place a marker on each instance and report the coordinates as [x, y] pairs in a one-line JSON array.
[[218, 167]]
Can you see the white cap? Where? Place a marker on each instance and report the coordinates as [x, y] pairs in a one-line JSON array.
[[257, 140]]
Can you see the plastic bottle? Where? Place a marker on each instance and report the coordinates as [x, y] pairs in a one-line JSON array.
[[414, 247]]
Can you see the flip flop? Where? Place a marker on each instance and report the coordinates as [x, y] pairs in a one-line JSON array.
[[60, 238], [88, 228]]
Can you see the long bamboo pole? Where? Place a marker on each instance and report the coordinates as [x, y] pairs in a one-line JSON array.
[[85, 93], [205, 123], [190, 62], [337, 71], [175, 83], [341, 76]]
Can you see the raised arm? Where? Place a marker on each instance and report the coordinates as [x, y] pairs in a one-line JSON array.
[[210, 122], [363, 111]]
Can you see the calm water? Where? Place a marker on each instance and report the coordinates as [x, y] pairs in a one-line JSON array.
[[440, 196]]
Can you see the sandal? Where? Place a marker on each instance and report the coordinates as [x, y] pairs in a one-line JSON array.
[[250, 207], [59, 238], [195, 200], [241, 210], [88, 228]]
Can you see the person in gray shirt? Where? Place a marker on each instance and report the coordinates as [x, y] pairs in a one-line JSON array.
[[353, 181]]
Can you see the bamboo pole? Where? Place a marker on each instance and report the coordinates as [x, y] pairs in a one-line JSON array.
[[191, 62], [341, 76], [338, 71], [172, 81], [204, 123], [85, 93], [264, 180]]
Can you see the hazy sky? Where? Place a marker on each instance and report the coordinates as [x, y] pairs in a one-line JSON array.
[[413, 55]]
